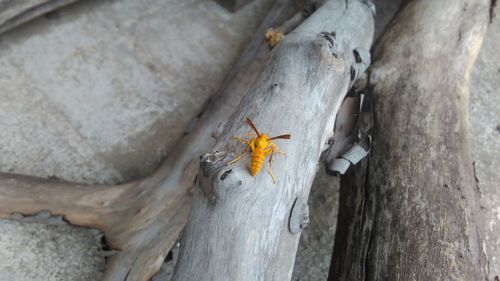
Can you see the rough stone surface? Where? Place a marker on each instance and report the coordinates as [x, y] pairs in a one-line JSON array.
[[36, 251]]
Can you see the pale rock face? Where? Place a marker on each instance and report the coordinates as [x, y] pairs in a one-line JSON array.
[[36, 251]]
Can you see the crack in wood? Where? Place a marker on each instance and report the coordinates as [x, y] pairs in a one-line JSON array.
[[210, 164], [331, 37], [225, 174]]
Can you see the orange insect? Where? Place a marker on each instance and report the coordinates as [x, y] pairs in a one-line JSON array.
[[260, 146]]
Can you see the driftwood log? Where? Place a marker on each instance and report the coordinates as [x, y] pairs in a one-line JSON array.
[[247, 228], [141, 220], [410, 212]]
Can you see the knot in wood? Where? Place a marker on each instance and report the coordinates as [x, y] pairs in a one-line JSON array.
[[213, 161], [331, 37], [210, 165]]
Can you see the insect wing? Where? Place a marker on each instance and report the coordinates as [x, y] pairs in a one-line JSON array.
[[251, 124], [286, 137]]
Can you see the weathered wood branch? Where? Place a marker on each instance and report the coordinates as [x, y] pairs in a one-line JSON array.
[[413, 214], [14, 13], [239, 228], [141, 220]]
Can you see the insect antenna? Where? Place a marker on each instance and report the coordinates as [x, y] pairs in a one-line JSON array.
[[251, 124], [287, 137]]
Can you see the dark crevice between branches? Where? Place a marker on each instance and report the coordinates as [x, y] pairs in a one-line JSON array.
[[493, 5], [130, 269]]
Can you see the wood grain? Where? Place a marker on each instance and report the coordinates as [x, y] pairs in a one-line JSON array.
[[413, 214]]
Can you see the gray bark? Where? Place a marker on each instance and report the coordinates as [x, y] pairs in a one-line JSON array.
[[239, 226], [413, 213]]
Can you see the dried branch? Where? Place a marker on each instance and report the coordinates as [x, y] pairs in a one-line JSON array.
[[239, 226]]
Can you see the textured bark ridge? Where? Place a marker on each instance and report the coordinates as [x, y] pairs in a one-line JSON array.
[[141, 220], [413, 213], [239, 227]]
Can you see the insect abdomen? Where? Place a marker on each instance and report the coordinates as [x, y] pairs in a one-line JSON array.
[[256, 161]]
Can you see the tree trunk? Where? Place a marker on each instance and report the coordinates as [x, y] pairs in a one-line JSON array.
[[243, 227], [141, 220], [413, 214]]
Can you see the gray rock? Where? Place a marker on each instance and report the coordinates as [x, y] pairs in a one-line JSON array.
[[36, 251]]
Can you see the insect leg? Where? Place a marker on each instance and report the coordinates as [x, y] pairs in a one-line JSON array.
[[270, 167], [275, 148], [252, 135], [242, 140], [239, 156], [249, 145]]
